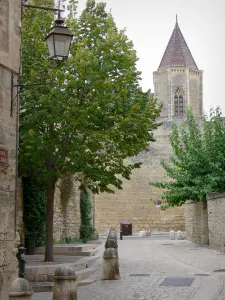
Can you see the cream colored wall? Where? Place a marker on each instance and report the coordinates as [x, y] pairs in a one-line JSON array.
[[161, 89], [9, 61], [135, 201]]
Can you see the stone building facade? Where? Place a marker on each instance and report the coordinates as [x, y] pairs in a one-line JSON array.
[[9, 65], [177, 83]]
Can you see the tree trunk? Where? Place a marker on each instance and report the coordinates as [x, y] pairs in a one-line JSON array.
[[51, 183]]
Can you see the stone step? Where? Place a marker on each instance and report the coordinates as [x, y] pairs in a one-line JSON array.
[[76, 253], [66, 248], [82, 279], [95, 242], [83, 274], [45, 272]]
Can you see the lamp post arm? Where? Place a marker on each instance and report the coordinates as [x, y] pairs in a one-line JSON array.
[[43, 8]]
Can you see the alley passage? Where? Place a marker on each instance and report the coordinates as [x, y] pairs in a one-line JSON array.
[[156, 268]]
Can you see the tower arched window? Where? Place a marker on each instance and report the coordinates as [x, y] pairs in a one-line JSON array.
[[178, 104]]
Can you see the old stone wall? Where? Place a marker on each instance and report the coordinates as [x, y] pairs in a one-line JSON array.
[[66, 210], [161, 89], [20, 223], [9, 62], [216, 221], [135, 202], [67, 217], [196, 222], [195, 91]]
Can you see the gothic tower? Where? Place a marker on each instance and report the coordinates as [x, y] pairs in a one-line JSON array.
[[178, 81]]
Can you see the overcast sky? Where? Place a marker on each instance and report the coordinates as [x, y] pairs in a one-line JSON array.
[[150, 23]]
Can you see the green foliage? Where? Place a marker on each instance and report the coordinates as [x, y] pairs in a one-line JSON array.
[[94, 114], [197, 165], [34, 198], [87, 232], [66, 186]]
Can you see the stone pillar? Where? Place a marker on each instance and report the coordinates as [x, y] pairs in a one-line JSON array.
[[196, 222], [172, 235], [20, 290], [64, 284], [110, 266]]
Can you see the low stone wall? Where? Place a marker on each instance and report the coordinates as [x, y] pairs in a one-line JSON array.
[[196, 222], [216, 221]]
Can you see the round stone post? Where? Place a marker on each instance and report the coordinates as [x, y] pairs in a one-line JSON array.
[[172, 235], [110, 266], [64, 284], [20, 290]]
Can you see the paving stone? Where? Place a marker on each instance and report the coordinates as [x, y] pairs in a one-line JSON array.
[[140, 257]]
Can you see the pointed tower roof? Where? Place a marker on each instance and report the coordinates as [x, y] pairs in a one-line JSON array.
[[177, 53]]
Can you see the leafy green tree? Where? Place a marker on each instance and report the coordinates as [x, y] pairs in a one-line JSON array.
[[92, 116], [197, 165]]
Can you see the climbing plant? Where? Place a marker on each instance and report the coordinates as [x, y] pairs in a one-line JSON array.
[[87, 231], [66, 187], [34, 201]]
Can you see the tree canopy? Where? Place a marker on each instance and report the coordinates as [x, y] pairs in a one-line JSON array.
[[197, 165], [89, 113], [94, 114]]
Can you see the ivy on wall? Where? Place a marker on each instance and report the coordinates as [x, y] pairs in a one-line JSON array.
[[34, 201], [87, 231], [66, 187]]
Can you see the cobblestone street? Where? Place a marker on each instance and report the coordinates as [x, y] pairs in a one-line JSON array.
[[146, 263]]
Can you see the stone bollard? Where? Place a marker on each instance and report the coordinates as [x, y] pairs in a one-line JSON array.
[[172, 235], [111, 243], [64, 284], [180, 235], [110, 266], [20, 290]]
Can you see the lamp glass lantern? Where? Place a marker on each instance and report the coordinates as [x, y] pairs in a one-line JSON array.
[[59, 40]]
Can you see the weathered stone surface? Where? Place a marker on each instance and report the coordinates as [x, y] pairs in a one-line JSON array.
[[9, 61], [67, 215], [20, 289], [135, 202], [172, 235], [64, 283], [111, 243], [10, 34], [196, 222], [20, 223], [216, 221], [110, 266]]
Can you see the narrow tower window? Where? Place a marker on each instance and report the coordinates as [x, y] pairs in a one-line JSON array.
[[178, 104]]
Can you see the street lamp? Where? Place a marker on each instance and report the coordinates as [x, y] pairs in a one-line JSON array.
[[59, 41]]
